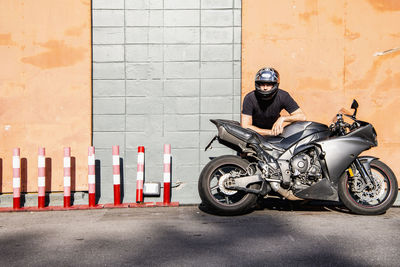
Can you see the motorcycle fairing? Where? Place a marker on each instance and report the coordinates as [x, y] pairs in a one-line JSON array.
[[340, 152], [323, 190]]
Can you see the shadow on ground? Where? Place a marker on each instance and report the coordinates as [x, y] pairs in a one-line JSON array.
[[302, 205], [272, 236], [276, 203]]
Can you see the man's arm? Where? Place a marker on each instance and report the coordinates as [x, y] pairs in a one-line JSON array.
[[297, 115], [247, 122]]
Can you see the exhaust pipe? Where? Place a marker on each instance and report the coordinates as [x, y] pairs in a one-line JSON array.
[[288, 194]]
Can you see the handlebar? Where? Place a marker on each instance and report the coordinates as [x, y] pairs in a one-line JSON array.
[[340, 125]]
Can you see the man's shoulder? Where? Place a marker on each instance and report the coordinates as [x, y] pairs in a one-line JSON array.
[[283, 95], [250, 96], [249, 103], [283, 92], [251, 93]]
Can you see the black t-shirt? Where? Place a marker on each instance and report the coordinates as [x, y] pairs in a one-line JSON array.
[[265, 114]]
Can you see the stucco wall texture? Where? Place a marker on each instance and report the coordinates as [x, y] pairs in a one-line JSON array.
[[327, 53], [45, 89]]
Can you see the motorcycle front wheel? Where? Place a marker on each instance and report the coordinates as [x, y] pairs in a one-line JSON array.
[[213, 193], [363, 200]]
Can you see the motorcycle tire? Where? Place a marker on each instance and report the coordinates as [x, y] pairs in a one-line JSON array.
[[356, 205], [241, 202]]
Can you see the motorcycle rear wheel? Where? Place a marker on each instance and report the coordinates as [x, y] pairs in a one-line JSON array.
[[387, 192], [228, 202]]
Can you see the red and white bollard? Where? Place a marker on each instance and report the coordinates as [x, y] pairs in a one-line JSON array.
[[167, 173], [41, 177], [116, 175], [91, 177], [140, 175], [67, 177], [16, 178]]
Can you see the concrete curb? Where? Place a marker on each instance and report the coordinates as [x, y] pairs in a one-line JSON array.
[[397, 202], [56, 201], [86, 207]]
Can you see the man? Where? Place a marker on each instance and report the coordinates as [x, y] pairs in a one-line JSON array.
[[262, 107]]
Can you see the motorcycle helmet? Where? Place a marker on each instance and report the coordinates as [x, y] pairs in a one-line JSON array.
[[266, 75]]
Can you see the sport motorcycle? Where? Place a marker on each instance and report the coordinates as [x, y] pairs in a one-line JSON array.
[[308, 161]]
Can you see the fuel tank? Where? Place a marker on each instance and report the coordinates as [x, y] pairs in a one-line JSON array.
[[297, 132], [300, 126]]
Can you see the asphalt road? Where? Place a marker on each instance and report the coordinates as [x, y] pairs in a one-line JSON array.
[[278, 234]]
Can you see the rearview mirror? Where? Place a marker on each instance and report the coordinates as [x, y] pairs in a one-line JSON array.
[[354, 105]]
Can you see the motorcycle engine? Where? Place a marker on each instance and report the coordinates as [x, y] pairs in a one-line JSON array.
[[306, 169]]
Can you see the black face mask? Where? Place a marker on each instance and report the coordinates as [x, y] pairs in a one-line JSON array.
[[266, 96]]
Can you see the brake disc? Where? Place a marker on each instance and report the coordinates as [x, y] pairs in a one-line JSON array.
[[225, 180], [358, 184], [369, 195], [379, 189]]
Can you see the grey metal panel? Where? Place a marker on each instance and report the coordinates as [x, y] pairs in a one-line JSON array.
[[161, 70], [341, 152]]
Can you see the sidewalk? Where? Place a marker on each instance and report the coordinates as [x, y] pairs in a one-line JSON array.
[[186, 236]]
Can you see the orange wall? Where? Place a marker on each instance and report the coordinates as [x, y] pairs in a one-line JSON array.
[[45, 87], [324, 51]]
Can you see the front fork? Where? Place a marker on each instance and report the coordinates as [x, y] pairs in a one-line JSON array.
[[365, 174]]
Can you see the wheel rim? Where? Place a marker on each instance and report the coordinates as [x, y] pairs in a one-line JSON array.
[[371, 198], [225, 197]]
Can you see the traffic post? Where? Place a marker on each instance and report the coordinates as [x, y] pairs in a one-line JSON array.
[[116, 175], [41, 177], [167, 174], [140, 175], [16, 179], [92, 177], [167, 179], [67, 177]]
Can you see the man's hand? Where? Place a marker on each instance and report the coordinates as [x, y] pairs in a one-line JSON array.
[[277, 128], [341, 111], [297, 115]]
